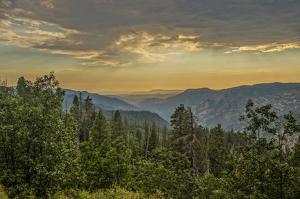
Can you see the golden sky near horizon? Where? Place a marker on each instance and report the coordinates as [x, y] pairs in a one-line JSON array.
[[139, 45]]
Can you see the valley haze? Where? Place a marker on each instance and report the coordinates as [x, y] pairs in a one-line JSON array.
[[210, 106]]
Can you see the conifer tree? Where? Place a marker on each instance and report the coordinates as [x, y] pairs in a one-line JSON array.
[[117, 126], [165, 141], [76, 101], [189, 138], [100, 130], [138, 136], [74, 110], [24, 88], [179, 124], [153, 139], [146, 138], [218, 153]]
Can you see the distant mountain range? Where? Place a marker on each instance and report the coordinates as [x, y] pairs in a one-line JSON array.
[[136, 97], [110, 104], [101, 101], [225, 106], [210, 106]]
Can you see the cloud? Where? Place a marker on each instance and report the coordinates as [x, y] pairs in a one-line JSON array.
[[4, 7], [118, 33], [47, 3], [274, 47], [69, 69]]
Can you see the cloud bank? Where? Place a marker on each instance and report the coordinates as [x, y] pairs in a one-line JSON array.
[[121, 33]]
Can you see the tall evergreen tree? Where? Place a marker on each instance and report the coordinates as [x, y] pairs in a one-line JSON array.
[[117, 126], [153, 139], [100, 130], [189, 138], [24, 88], [74, 110], [218, 154], [146, 138], [179, 125], [165, 141], [76, 101]]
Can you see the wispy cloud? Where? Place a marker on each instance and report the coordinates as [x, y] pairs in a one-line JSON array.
[[274, 47]]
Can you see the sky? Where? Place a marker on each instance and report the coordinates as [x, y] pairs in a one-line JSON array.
[[139, 45]]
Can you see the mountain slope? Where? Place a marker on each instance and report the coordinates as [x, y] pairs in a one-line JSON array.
[[216, 100], [225, 110], [101, 101], [139, 117], [189, 97]]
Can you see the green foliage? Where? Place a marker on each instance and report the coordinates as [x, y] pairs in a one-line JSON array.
[[36, 145], [24, 88], [263, 170], [179, 125], [167, 171], [76, 101], [2, 193], [118, 128], [100, 130], [153, 139], [189, 138], [102, 167], [165, 138], [218, 153], [114, 192], [38, 155]]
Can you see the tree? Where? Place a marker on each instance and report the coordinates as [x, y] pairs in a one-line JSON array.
[[146, 138], [76, 101], [178, 123], [153, 139], [74, 110], [117, 126], [189, 138], [218, 154], [24, 88], [36, 145], [167, 171], [88, 104], [263, 170], [100, 130], [165, 140]]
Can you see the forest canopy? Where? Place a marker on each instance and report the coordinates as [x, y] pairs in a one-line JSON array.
[[48, 152]]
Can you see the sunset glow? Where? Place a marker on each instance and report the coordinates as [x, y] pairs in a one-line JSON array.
[[128, 45]]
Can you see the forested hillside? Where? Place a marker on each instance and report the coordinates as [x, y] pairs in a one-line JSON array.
[[48, 152], [100, 101], [224, 106], [139, 117]]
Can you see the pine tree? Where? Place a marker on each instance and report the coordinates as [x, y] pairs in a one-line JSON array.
[[146, 138], [189, 138], [218, 153], [117, 126], [24, 88], [153, 139], [165, 143], [74, 110], [179, 124], [100, 130], [76, 101]]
